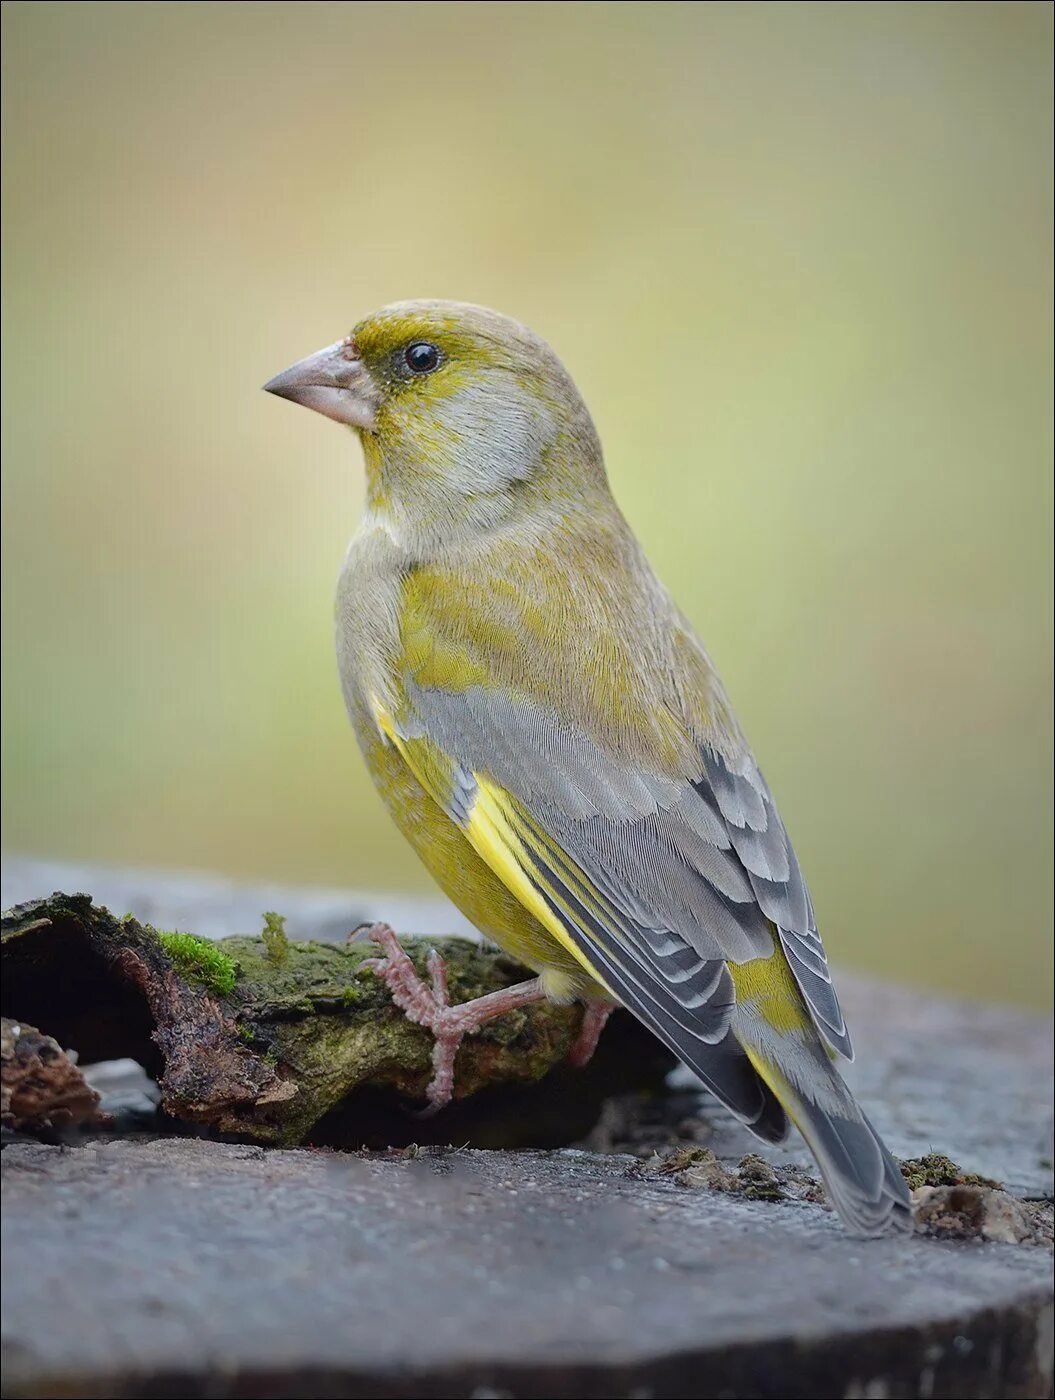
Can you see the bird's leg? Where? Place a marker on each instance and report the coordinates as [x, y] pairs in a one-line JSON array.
[[594, 1017], [427, 1004]]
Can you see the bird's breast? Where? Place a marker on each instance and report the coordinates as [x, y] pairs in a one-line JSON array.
[[368, 626]]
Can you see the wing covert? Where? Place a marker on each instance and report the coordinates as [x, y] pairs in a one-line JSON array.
[[661, 880]]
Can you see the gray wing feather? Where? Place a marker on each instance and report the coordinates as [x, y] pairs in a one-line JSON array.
[[693, 873], [760, 840], [696, 1026]]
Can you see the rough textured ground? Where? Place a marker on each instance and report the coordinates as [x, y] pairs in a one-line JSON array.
[[659, 1263], [184, 1267]]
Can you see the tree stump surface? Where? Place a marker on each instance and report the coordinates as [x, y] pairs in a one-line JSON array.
[[653, 1260]]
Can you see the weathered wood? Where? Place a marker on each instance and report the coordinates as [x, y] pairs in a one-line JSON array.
[[274, 1040], [200, 1269], [40, 1086]]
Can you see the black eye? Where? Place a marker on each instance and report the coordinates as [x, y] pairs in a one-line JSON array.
[[421, 357]]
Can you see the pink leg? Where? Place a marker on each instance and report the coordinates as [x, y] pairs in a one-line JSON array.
[[429, 1006], [594, 1017]]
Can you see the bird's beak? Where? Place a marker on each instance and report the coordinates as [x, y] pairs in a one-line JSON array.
[[334, 382]]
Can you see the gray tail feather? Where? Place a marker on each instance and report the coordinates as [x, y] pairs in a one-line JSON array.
[[862, 1180], [726, 1070], [723, 1066]]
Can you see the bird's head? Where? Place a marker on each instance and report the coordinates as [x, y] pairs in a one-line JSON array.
[[461, 411]]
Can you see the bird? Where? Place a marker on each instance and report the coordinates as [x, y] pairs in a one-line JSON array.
[[552, 738]]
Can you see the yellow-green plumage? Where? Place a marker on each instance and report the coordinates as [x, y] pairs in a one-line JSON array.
[[470, 883], [552, 738]]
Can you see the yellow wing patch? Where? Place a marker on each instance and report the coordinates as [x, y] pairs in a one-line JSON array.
[[520, 854], [769, 988], [494, 837], [495, 834], [429, 764]]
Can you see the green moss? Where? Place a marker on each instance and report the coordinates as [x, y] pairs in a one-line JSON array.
[[304, 977], [313, 977], [201, 961], [935, 1169], [275, 940]]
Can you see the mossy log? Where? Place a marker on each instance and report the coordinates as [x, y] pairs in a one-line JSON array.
[[286, 1042]]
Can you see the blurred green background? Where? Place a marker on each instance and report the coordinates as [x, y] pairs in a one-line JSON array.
[[796, 257]]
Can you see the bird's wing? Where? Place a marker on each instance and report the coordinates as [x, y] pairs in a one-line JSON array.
[[654, 883], [741, 797]]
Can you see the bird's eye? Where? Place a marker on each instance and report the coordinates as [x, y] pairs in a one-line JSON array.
[[421, 357]]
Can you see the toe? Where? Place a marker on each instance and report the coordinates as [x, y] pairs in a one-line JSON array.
[[437, 967]]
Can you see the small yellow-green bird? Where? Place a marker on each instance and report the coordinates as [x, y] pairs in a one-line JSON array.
[[553, 740]]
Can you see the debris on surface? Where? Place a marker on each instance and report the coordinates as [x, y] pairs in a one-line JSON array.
[[935, 1169], [40, 1086], [971, 1212], [752, 1175], [952, 1204]]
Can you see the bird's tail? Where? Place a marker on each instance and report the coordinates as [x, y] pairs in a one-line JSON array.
[[862, 1180]]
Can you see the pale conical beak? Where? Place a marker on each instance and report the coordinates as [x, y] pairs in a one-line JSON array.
[[334, 382]]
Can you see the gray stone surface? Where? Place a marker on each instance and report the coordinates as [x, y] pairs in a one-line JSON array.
[[185, 1267]]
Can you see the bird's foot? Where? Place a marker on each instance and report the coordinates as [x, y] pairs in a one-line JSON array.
[[428, 1004], [595, 1015]]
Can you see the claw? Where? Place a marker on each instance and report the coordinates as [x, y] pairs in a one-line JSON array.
[[428, 1005]]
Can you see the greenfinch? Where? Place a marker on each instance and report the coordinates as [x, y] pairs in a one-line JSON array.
[[553, 740]]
